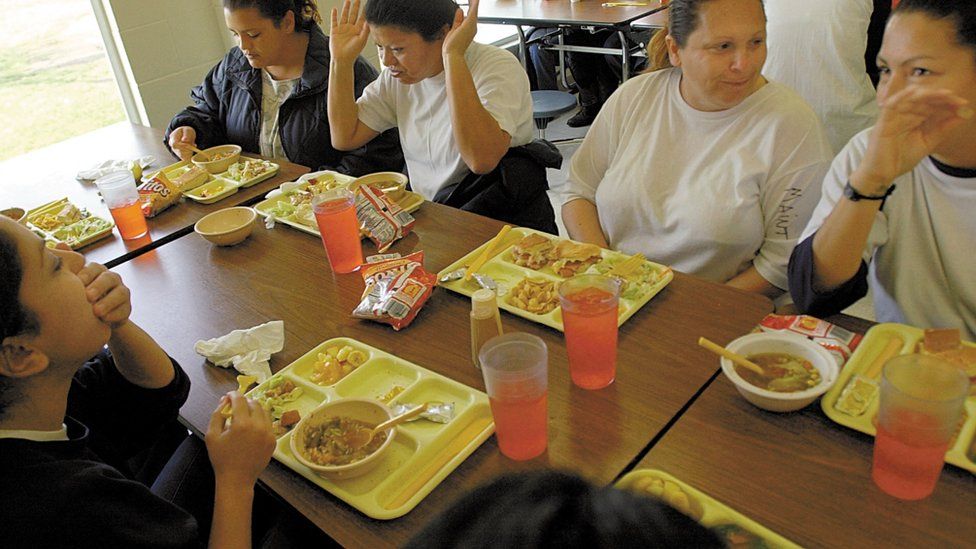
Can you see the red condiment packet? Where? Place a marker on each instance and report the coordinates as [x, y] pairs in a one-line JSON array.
[[838, 341], [396, 289]]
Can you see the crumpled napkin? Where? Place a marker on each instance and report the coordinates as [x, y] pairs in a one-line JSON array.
[[108, 166], [248, 351]]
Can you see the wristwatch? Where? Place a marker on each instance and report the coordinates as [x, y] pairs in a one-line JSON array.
[[854, 196]]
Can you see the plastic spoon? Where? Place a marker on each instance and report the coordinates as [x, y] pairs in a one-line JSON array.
[[358, 440], [736, 358]]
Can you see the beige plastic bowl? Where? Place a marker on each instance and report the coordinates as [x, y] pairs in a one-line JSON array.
[[17, 214], [392, 183], [217, 166], [369, 411], [774, 342], [228, 226]]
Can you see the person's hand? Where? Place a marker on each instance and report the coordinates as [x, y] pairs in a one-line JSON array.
[[462, 31], [349, 32], [913, 123], [180, 141], [109, 297], [241, 448]]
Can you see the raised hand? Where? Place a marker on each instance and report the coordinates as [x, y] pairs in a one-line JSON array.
[[913, 123], [349, 32], [462, 31]]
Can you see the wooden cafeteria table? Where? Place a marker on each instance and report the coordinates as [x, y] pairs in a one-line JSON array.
[[806, 477], [47, 174], [188, 290]]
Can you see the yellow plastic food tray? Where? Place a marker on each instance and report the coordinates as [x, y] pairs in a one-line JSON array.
[[705, 509], [230, 185], [410, 202], [50, 236], [423, 453], [960, 454], [507, 274]]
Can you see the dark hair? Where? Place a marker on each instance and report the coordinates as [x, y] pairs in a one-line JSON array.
[[962, 13], [424, 17], [683, 19], [306, 11], [553, 509], [15, 319]]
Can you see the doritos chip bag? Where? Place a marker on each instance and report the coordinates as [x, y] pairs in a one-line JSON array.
[[396, 289], [157, 194]]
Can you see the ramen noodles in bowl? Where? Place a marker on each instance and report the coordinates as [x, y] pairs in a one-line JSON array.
[[798, 371], [331, 440]]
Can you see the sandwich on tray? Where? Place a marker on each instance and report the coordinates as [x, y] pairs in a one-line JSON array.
[[572, 258], [533, 251]]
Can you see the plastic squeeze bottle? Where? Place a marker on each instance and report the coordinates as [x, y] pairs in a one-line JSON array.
[[486, 322]]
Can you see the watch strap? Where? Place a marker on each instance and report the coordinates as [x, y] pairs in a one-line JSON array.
[[854, 196]]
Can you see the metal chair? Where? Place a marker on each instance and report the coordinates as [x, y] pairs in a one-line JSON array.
[[547, 105]]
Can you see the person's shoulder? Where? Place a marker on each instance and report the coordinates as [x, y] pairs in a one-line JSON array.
[[483, 55]]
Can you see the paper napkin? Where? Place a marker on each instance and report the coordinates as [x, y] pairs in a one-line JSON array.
[[248, 351]]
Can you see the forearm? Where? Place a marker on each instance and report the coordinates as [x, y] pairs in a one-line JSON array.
[[481, 141], [582, 221], [342, 109], [139, 358], [751, 281], [231, 516], [839, 242]]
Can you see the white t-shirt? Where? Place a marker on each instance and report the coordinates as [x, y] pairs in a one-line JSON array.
[[422, 114], [920, 249], [273, 94], [709, 193], [817, 48]]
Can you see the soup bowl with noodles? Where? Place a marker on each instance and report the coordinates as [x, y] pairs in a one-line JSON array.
[[798, 371], [330, 440]]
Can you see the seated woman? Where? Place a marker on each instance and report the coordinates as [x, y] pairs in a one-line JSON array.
[[897, 212], [63, 420], [463, 110], [269, 94], [705, 166]]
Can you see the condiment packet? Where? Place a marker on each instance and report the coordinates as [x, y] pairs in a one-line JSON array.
[[248, 351], [380, 218], [396, 289], [838, 341], [157, 194], [438, 412], [106, 167]]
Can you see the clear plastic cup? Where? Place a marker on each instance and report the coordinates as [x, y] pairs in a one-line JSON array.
[[589, 305], [118, 190], [515, 368], [921, 402], [335, 214]]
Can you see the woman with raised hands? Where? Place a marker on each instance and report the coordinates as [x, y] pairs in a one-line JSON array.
[[463, 110], [898, 212]]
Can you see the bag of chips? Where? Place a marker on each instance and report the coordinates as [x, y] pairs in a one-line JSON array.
[[381, 218], [838, 341], [157, 194], [396, 289]]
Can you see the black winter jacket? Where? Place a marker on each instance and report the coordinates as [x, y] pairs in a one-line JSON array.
[[227, 109]]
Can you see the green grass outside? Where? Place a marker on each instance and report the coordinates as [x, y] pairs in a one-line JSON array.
[[43, 102]]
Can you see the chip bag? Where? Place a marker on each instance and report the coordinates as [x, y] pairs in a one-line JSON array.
[[381, 218], [157, 194], [396, 289], [838, 341]]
